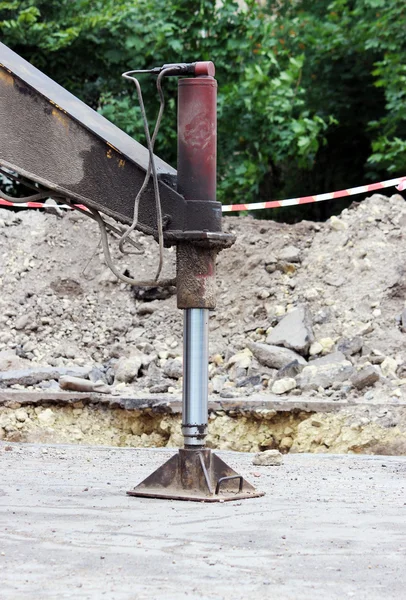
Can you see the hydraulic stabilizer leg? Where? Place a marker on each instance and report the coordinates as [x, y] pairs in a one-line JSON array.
[[195, 473]]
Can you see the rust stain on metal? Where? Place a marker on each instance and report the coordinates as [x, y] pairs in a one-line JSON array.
[[196, 276], [114, 148], [5, 75], [62, 118], [199, 131], [58, 107]]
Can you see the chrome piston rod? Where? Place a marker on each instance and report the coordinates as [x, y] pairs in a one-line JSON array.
[[195, 376]]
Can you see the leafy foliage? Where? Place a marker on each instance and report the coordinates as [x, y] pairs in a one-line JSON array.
[[311, 97]]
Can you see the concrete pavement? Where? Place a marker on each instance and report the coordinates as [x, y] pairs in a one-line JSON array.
[[329, 527]]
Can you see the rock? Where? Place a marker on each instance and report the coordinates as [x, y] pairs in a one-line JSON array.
[[146, 309], [68, 351], [350, 346], [310, 294], [334, 281], [22, 322], [263, 294], [286, 443], [77, 384], [293, 331], [323, 376], [403, 321], [401, 371], [328, 359], [21, 415], [376, 357], [365, 328], [127, 369], [10, 361], [274, 357], [315, 348], [229, 393], [49, 385], [281, 386], [389, 366], [34, 376], [159, 388], [51, 207], [97, 374], [290, 254], [365, 377], [217, 359], [270, 268], [174, 368], [337, 224], [327, 344], [241, 360], [154, 375], [271, 260], [47, 417], [322, 316], [247, 381], [290, 370], [268, 458], [218, 382], [286, 267]]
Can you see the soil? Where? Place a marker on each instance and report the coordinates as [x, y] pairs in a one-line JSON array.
[[62, 307]]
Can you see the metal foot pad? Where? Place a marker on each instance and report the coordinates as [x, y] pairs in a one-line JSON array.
[[198, 476]]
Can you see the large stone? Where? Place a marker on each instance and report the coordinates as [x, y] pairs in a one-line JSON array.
[[34, 376], [389, 366], [268, 458], [328, 359], [290, 254], [78, 384], [290, 370], [324, 375], [293, 331], [274, 357], [242, 359], [22, 321], [350, 346], [174, 368], [281, 386], [127, 369], [365, 377]]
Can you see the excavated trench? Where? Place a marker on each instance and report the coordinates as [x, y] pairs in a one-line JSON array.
[[325, 428]]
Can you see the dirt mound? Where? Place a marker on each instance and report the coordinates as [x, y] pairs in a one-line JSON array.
[[313, 307]]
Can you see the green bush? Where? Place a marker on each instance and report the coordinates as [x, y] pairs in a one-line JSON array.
[[311, 93]]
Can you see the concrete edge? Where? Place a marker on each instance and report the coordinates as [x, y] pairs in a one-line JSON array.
[[169, 404]]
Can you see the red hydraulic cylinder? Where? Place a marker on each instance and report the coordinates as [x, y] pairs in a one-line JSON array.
[[196, 181], [197, 138]]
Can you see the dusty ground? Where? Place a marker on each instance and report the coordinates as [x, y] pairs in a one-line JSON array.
[[347, 275], [328, 527]]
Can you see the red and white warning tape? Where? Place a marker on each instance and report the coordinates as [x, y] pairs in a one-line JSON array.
[[399, 182], [37, 205]]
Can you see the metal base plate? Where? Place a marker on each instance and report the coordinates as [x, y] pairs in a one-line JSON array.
[[158, 493], [197, 476]]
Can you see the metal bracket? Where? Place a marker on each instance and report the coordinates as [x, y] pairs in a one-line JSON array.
[[193, 474]]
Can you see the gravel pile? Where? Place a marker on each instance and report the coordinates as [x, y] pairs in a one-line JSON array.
[[312, 308]]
